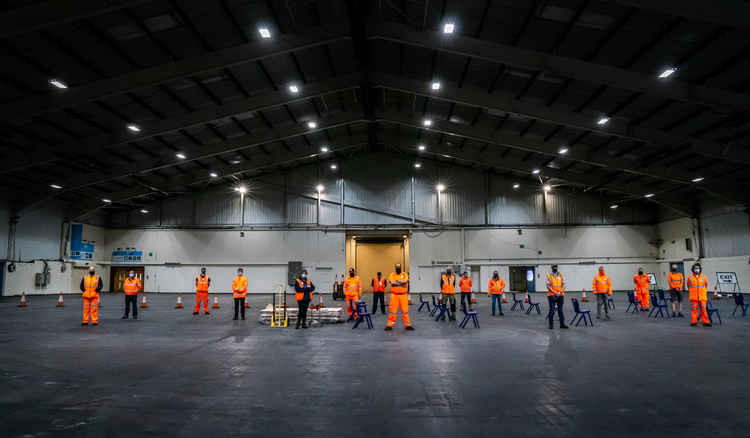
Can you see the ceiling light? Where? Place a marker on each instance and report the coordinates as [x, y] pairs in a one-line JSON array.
[[449, 27], [235, 162], [440, 187], [134, 128], [667, 72], [312, 125], [535, 171], [613, 206], [603, 120], [58, 83], [421, 147], [547, 187], [436, 85], [55, 186], [334, 167], [649, 195], [417, 165], [242, 189], [698, 179], [180, 155], [324, 149], [516, 185], [294, 89], [213, 175], [404, 236], [563, 150], [264, 32], [144, 211], [427, 122], [319, 188], [106, 201]]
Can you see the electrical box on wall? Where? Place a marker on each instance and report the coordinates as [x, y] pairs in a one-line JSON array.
[[689, 245]]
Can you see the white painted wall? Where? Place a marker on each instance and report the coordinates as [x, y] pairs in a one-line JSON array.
[[22, 280]]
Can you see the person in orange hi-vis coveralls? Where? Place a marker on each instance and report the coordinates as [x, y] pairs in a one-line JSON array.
[[91, 285], [352, 290], [495, 290], [399, 288], [676, 284], [602, 288], [464, 285], [131, 286], [202, 283], [239, 293], [697, 285], [642, 292]]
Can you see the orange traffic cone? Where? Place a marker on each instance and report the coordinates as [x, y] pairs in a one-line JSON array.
[[23, 300], [583, 297], [215, 305], [247, 305], [320, 301], [473, 299], [526, 300], [179, 302], [144, 303], [504, 300], [60, 301]]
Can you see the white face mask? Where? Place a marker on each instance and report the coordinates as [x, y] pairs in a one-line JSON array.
[[303, 275], [131, 275], [697, 270]]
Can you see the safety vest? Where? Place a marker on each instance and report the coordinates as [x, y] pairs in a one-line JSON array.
[[352, 286], [448, 287], [378, 285], [131, 286], [201, 283], [602, 284], [89, 286], [555, 284], [496, 286], [641, 283], [675, 280], [239, 286], [299, 296], [698, 287], [465, 284], [398, 290]]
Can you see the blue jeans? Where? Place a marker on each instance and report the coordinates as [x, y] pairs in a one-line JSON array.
[[497, 298]]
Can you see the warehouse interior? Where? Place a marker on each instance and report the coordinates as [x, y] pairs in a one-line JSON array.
[[509, 136]]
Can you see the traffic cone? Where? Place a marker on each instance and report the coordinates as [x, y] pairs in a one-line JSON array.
[[526, 300], [144, 303], [473, 299], [320, 301], [179, 302], [583, 297], [23, 300], [247, 304], [215, 305], [60, 301], [504, 300]]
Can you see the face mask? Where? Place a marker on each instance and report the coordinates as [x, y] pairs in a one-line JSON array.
[[674, 269], [303, 275], [398, 270], [640, 272], [92, 272], [351, 274], [495, 276], [554, 269], [697, 270], [601, 271], [203, 273], [131, 275], [239, 272]]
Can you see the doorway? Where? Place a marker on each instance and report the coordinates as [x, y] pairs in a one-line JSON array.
[[522, 278], [378, 254], [118, 274]]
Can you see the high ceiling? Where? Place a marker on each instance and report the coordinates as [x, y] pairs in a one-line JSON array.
[[164, 97]]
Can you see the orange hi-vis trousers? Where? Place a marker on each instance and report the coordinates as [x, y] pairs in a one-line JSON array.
[[91, 309], [644, 298], [201, 297], [351, 306], [402, 301], [699, 306]]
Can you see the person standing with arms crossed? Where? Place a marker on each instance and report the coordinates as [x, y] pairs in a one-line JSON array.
[[303, 289], [448, 291], [697, 285], [556, 296], [202, 283], [239, 293], [464, 285], [676, 284], [399, 288], [91, 285], [131, 286], [495, 291], [378, 292]]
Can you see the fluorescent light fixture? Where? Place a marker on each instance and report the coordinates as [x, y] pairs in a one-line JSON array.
[[449, 27], [427, 122], [516, 185], [417, 165], [180, 155], [294, 89], [421, 147], [404, 236], [213, 175], [144, 211], [106, 201], [134, 128], [324, 149], [547, 187], [235, 162], [563, 150], [613, 206], [535, 171], [242, 189], [58, 83], [698, 179], [667, 72], [440, 187], [55, 186], [319, 188], [603, 120], [435, 85], [312, 125], [649, 195], [334, 167], [264, 32]]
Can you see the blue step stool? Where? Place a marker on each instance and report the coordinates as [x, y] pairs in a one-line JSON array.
[[470, 315], [532, 306], [423, 303], [580, 314], [739, 303], [517, 304], [363, 315], [710, 309]]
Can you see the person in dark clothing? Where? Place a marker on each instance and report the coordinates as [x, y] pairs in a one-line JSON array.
[[303, 289], [379, 284]]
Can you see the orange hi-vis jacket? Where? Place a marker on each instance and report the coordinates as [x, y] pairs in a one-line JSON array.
[[496, 286], [448, 286], [698, 287], [89, 286], [131, 286], [299, 296], [398, 290], [464, 284], [601, 284], [239, 286], [555, 284], [641, 283], [352, 286], [378, 285], [676, 280], [201, 284]]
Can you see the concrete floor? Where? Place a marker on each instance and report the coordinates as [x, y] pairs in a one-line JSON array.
[[174, 374]]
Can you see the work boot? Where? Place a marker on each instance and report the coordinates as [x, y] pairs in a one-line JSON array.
[[674, 315], [84, 323], [597, 317], [680, 315], [195, 313], [563, 326], [304, 325], [96, 323], [297, 326], [693, 324], [135, 316], [409, 328], [606, 317], [501, 314], [243, 318], [551, 326], [707, 324], [351, 318], [206, 313], [387, 328], [124, 317]]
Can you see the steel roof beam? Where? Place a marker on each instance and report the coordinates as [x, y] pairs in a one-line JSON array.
[[733, 13]]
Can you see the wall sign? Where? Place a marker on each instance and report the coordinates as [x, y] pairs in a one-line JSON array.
[[726, 277], [127, 256], [80, 249]]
